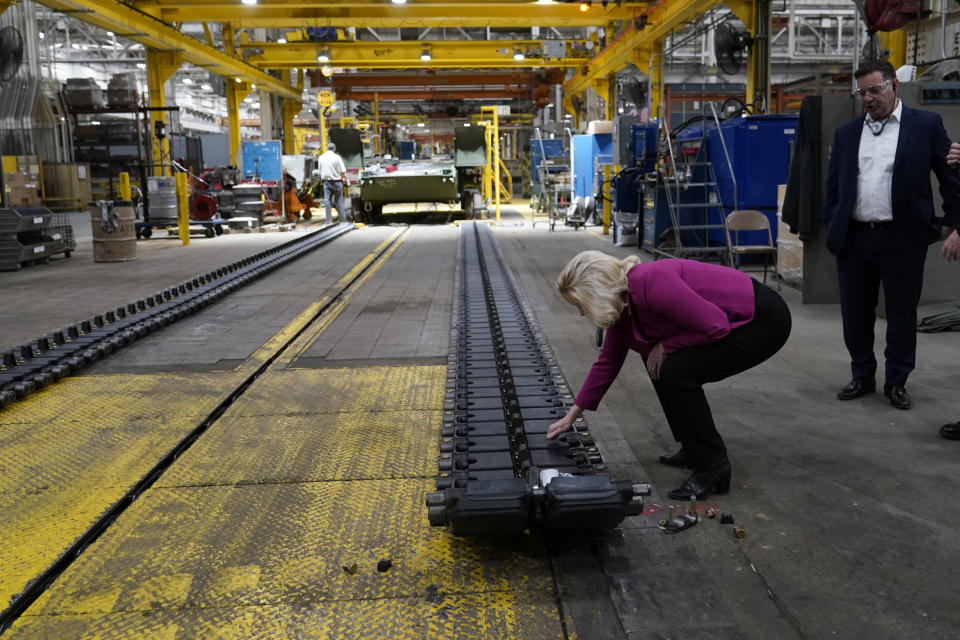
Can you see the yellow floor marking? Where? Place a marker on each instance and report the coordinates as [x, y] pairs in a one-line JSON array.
[[276, 342], [316, 329], [73, 449]]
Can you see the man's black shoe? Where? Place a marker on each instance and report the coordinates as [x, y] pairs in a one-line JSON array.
[[857, 387], [951, 431], [679, 460], [897, 395]]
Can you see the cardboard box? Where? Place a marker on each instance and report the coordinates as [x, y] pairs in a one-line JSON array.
[[20, 190], [599, 126]]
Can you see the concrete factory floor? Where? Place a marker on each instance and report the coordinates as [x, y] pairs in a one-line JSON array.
[[849, 509]]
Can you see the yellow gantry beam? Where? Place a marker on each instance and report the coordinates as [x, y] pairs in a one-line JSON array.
[[381, 14], [407, 54], [129, 23], [661, 20]]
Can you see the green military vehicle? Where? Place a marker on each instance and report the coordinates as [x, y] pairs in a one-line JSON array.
[[425, 181]]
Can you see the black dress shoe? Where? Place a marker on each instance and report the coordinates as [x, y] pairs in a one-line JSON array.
[[951, 431], [678, 460], [857, 387], [897, 395], [703, 482]]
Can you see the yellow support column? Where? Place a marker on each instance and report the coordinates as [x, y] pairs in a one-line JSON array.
[[896, 42], [493, 154], [183, 207], [160, 66], [496, 162], [236, 92], [376, 123], [323, 129], [290, 110]]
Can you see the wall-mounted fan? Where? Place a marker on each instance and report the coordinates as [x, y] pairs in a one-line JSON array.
[[729, 46], [11, 52]]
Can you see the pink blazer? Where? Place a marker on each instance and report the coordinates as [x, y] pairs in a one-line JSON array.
[[681, 303]]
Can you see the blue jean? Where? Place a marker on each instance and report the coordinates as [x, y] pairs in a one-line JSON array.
[[333, 194]]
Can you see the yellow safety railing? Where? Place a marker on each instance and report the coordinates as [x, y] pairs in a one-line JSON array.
[[506, 190]]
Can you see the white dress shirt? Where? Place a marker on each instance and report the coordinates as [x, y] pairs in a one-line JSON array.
[[875, 164], [331, 166]]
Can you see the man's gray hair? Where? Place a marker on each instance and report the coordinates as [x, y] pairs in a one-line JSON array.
[[331, 146]]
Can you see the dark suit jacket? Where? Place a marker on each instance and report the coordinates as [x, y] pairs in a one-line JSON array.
[[921, 148]]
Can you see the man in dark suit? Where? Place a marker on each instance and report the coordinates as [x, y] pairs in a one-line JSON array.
[[951, 253], [879, 217]]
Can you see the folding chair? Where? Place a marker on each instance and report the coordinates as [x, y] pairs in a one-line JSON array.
[[750, 220]]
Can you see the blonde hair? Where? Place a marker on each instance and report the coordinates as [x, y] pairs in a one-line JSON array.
[[597, 282]]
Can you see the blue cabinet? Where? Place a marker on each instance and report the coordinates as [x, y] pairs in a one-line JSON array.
[[760, 148]]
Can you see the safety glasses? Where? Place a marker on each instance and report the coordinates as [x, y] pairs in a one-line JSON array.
[[873, 90]]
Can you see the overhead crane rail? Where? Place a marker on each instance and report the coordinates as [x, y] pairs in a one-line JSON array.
[[498, 474], [277, 257], [39, 362]]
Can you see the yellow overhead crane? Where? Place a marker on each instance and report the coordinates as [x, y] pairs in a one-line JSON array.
[[419, 53], [378, 14]]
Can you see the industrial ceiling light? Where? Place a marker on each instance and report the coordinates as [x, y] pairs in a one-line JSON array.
[[249, 2], [399, 1], [585, 6], [518, 55], [187, 81], [206, 87], [425, 55], [281, 41], [323, 56]]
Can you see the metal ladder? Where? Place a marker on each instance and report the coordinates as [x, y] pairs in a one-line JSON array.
[[691, 192], [690, 216]]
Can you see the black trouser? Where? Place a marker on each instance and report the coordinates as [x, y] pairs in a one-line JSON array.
[[872, 255], [684, 373]]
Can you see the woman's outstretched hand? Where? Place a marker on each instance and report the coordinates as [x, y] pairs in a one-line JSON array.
[[558, 427], [565, 423], [655, 361]]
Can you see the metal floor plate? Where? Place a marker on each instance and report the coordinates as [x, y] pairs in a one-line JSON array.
[[287, 544], [70, 451], [508, 615]]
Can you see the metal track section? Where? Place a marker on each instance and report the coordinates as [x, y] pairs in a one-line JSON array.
[[35, 364], [498, 474]]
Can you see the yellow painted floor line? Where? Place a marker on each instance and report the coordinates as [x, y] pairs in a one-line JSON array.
[[282, 337], [310, 335]]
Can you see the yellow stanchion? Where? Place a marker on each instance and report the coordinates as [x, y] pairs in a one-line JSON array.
[[124, 188], [183, 208]]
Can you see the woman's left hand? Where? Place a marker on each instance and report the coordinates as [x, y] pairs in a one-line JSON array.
[[655, 360]]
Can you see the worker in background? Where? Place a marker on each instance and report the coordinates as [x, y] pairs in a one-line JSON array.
[[334, 175], [879, 220], [951, 253], [693, 323]]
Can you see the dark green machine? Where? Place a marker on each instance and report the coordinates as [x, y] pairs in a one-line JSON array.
[[428, 181]]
